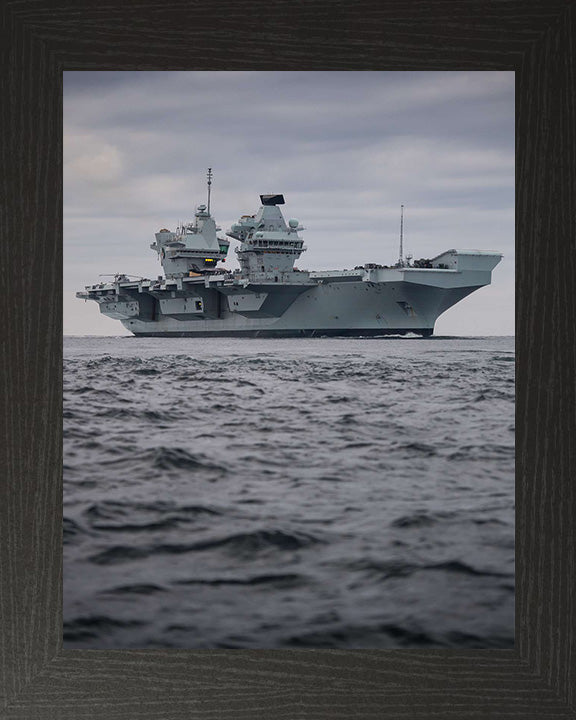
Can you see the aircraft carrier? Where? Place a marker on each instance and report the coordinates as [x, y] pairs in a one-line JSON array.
[[269, 297]]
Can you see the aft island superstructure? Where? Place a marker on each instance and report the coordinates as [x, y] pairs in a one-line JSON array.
[[269, 297]]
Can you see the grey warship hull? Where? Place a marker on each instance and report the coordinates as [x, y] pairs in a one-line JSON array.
[[365, 302]]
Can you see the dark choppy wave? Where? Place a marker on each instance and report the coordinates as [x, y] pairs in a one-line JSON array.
[[289, 493]]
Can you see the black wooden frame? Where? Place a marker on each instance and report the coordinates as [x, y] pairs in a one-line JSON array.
[[40, 39]]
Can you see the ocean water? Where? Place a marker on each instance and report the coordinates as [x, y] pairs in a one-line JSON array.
[[307, 493]]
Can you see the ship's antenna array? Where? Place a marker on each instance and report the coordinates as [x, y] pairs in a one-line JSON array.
[[401, 259], [209, 185]]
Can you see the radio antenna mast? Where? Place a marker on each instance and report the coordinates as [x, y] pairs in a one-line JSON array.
[[209, 184], [401, 260]]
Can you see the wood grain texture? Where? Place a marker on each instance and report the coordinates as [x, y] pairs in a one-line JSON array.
[[40, 39]]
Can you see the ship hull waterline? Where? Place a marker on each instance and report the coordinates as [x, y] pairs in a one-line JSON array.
[[319, 333]]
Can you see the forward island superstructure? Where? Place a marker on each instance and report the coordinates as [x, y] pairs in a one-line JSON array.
[[269, 297]]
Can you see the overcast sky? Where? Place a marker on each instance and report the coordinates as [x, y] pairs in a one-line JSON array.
[[345, 148]]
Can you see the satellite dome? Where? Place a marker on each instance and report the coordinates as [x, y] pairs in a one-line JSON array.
[[293, 223]]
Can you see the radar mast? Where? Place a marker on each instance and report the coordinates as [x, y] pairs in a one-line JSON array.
[[209, 185], [401, 258]]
